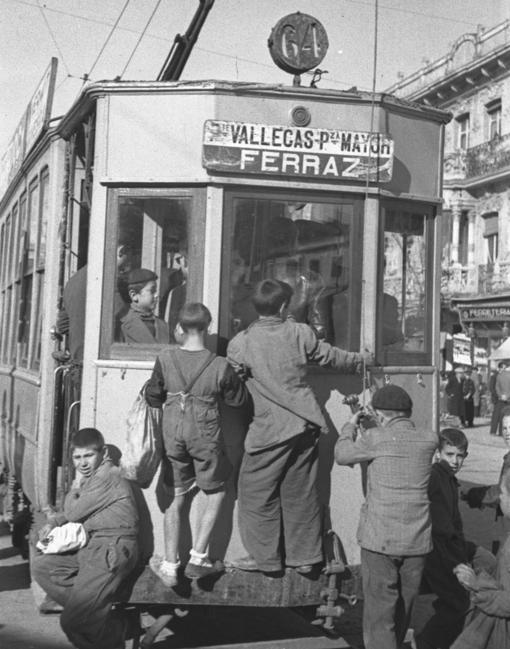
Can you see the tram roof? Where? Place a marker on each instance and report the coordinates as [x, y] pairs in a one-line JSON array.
[[92, 91]]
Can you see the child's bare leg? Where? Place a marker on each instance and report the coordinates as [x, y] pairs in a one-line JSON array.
[[214, 501], [200, 565], [172, 524]]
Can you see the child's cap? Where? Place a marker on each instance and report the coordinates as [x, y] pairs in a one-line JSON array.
[[141, 276], [392, 397]]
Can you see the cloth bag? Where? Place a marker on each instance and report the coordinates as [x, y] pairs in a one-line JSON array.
[[64, 538], [144, 446]]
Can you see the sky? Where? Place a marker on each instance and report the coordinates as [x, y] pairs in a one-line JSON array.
[[231, 46]]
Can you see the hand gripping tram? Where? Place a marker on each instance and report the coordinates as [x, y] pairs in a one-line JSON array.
[[215, 185]]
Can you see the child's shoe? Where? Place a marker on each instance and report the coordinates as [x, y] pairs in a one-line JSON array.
[[165, 570], [200, 566]]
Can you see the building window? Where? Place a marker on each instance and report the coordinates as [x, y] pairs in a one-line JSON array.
[[463, 237], [463, 131], [493, 119], [491, 236]]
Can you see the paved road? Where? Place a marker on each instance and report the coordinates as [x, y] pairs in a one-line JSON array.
[[21, 627]]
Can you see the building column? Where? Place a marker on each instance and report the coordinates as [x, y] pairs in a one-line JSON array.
[[471, 238], [456, 212]]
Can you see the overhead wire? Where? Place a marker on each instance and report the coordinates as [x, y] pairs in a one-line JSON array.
[[114, 27], [140, 38], [41, 9]]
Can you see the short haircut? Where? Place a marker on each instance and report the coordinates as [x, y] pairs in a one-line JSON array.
[[453, 437], [88, 438], [270, 295], [390, 414], [194, 316], [501, 365]]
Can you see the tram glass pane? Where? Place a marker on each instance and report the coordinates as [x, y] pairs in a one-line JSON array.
[[41, 248], [33, 218], [307, 244], [404, 303], [24, 318], [152, 234]]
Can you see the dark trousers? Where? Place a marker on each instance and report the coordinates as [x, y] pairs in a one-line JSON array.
[[496, 416], [86, 584], [469, 409], [278, 488], [390, 586], [453, 601]]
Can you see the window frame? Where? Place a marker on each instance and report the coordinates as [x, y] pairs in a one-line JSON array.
[[231, 194], [463, 131], [401, 358], [494, 114], [108, 349]]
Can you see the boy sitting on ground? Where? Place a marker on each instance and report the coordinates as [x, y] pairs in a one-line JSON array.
[[140, 325], [279, 509], [87, 582], [450, 548], [189, 380], [488, 627]]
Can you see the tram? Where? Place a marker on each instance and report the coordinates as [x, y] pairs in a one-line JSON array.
[[214, 185]]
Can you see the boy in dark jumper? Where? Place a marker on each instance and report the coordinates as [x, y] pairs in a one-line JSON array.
[[279, 509], [450, 548], [188, 381], [140, 325]]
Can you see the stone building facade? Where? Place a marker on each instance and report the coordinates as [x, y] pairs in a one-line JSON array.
[[472, 81]]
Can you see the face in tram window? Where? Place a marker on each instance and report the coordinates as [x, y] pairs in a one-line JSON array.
[[152, 234], [309, 245]]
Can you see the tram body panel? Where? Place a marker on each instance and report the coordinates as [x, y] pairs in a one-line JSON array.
[[26, 366]]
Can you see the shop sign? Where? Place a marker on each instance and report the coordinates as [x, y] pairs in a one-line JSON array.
[[461, 350], [484, 313], [243, 148]]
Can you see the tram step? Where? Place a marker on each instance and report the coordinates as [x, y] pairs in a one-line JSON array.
[[232, 588]]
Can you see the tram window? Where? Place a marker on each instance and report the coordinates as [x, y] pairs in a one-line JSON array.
[[313, 245], [404, 309], [41, 247], [153, 232]]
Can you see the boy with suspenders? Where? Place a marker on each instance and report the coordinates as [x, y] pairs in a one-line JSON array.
[[188, 381]]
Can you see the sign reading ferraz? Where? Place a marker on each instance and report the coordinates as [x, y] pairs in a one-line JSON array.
[[242, 148]]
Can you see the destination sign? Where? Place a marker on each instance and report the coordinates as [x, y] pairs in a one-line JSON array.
[[485, 313], [238, 147]]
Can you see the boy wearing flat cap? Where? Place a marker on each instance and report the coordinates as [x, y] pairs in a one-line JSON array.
[[395, 529], [140, 325]]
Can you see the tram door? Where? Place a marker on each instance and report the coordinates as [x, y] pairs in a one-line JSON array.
[[70, 320]]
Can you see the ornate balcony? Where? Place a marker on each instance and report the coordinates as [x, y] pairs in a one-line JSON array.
[[488, 158], [484, 279]]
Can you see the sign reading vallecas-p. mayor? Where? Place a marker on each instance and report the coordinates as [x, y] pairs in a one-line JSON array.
[[238, 147]]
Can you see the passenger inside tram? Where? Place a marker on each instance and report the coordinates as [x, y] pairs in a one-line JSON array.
[[157, 234]]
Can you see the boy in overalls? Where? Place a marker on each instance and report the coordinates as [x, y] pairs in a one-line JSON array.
[[188, 382]]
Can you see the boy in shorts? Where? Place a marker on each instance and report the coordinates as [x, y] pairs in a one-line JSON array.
[[188, 381]]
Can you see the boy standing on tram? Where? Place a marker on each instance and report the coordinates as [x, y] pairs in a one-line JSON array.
[[188, 381], [277, 485]]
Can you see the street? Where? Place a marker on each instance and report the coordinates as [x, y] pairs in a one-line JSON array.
[[22, 627]]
